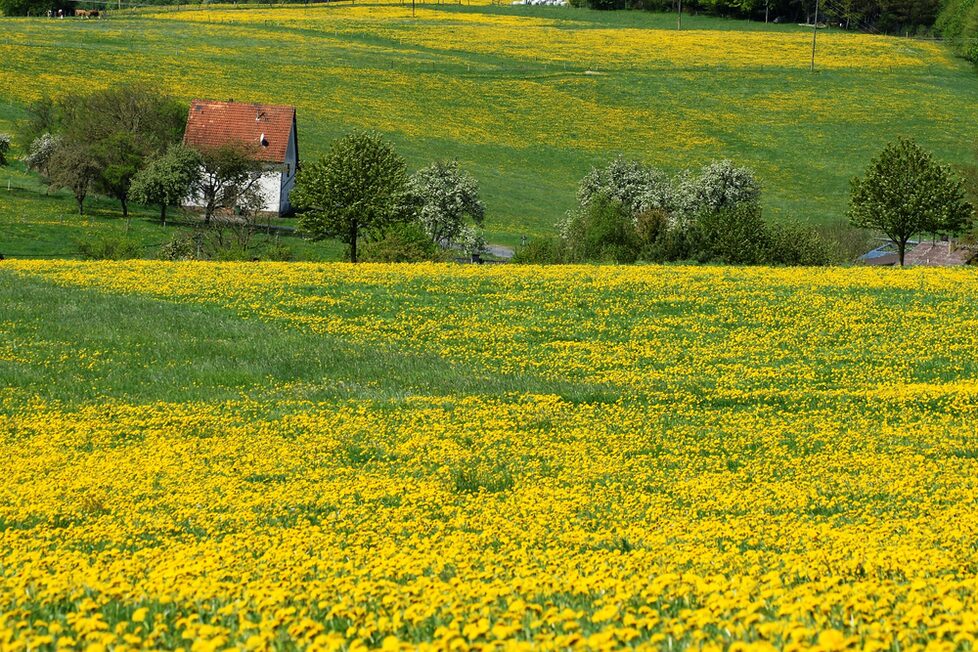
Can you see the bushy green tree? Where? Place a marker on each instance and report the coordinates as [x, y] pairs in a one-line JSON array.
[[905, 192], [446, 196], [734, 234], [603, 230], [359, 187], [167, 179], [405, 242]]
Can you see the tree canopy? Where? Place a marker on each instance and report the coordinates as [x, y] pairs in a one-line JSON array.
[[446, 195], [167, 179], [905, 192], [358, 188]]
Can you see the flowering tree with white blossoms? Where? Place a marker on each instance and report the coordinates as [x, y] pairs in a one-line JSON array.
[[446, 196]]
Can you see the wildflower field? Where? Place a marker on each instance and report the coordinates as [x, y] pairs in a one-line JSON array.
[[529, 98], [334, 457]]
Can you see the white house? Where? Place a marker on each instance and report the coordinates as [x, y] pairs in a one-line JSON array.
[[271, 127]]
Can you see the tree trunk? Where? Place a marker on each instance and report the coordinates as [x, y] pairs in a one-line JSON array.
[[125, 208], [902, 249], [353, 243], [163, 214], [81, 204]]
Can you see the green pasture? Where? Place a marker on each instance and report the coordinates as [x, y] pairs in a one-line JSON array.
[[527, 98]]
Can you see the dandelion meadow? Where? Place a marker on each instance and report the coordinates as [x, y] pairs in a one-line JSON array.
[[257, 456], [529, 98]]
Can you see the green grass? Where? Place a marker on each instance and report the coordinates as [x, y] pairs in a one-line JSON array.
[[39, 223], [514, 101]]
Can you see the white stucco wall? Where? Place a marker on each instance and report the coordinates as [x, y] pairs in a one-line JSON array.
[[269, 185]]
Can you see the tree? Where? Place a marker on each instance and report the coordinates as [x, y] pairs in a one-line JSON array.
[[4, 148], [358, 187], [604, 230], [446, 195], [228, 176], [119, 156], [40, 152], [27, 7], [122, 125], [167, 179], [905, 192], [717, 186], [74, 167], [638, 187], [735, 234]]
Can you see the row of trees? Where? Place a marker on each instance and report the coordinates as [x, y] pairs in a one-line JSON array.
[[124, 142], [958, 22], [891, 16], [99, 141], [361, 190], [630, 211]]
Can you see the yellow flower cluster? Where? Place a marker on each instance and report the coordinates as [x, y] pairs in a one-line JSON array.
[[703, 458]]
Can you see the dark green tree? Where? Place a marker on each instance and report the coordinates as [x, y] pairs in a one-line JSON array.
[[124, 126], [357, 189], [167, 179], [905, 192], [734, 234], [602, 231]]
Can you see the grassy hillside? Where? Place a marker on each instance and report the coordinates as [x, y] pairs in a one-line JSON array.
[[530, 98], [285, 455]]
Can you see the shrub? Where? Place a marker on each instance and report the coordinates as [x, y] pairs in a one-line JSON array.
[[540, 251], [794, 244], [401, 243], [719, 185], [651, 226], [278, 252], [232, 252], [602, 231], [735, 235], [109, 247], [635, 185], [4, 148], [180, 247]]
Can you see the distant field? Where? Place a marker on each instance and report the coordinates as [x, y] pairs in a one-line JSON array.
[[530, 98], [282, 456]]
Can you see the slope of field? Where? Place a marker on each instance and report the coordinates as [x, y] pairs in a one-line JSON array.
[[530, 98], [380, 456]]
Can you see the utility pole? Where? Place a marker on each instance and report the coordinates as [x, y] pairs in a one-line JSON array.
[[679, 17], [814, 35]]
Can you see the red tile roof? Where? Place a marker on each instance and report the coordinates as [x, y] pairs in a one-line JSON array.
[[212, 124]]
